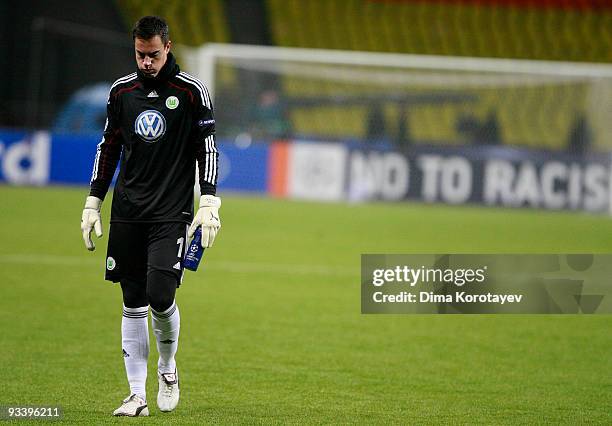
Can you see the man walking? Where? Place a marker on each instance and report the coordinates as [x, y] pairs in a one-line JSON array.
[[159, 124]]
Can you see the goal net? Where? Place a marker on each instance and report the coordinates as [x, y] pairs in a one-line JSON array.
[[271, 93]]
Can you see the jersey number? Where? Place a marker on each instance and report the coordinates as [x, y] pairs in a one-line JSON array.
[[180, 242]]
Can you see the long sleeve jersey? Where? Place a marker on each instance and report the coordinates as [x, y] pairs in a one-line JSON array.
[[158, 128]]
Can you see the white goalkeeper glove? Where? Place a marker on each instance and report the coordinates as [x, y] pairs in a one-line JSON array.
[[91, 220], [208, 218]]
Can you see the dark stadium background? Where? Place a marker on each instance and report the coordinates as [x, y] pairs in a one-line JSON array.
[[58, 47]]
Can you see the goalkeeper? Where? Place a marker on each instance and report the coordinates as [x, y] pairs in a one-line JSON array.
[[159, 124]]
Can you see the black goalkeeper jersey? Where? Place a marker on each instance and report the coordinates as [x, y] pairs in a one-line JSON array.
[[158, 127]]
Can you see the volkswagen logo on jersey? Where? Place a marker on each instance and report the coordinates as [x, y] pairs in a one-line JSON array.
[[150, 125]]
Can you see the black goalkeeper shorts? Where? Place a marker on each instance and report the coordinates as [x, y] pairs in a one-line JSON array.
[[135, 249]]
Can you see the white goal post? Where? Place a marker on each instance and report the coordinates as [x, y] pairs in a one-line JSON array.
[[201, 61]]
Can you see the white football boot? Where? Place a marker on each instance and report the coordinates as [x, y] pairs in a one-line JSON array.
[[168, 394], [133, 406]]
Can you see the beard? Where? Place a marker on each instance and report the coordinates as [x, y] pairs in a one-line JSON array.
[[149, 73]]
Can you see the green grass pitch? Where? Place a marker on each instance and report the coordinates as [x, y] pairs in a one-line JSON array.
[[271, 324]]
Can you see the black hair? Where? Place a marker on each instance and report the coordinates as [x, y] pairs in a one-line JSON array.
[[148, 27]]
